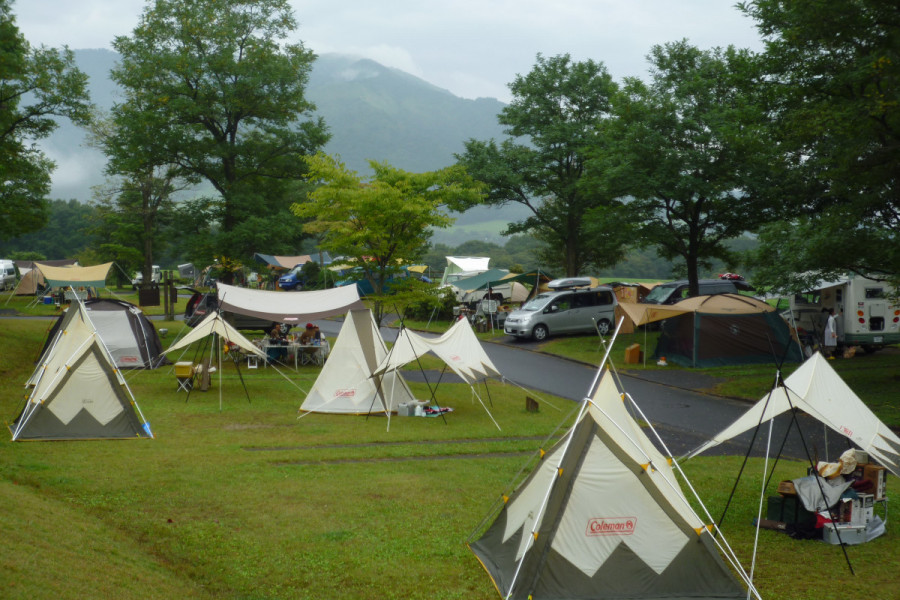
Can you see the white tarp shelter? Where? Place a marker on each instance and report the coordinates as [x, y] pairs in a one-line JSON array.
[[345, 384], [215, 324], [464, 264], [816, 389], [76, 392], [457, 347], [604, 516], [289, 307]]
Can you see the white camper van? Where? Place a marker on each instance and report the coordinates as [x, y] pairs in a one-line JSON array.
[[867, 314], [138, 278], [7, 274]]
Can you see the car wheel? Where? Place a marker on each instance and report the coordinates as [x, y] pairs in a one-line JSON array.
[[604, 326], [540, 333]]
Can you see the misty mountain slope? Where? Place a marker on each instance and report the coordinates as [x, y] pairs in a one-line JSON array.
[[373, 112], [383, 114]]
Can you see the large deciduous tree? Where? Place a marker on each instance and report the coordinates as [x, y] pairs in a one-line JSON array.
[[383, 224], [834, 69], [137, 202], [552, 120], [36, 85], [691, 153], [221, 95]]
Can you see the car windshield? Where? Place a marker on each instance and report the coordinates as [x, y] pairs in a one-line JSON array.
[[659, 294], [536, 303]]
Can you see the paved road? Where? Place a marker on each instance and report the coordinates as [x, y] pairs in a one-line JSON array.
[[683, 416]]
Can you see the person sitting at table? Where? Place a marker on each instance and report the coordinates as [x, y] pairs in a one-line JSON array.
[[311, 336], [277, 349]]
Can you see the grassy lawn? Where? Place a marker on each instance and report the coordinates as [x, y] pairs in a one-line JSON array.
[[250, 502]]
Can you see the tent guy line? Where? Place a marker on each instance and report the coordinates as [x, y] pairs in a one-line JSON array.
[[394, 459], [395, 444]]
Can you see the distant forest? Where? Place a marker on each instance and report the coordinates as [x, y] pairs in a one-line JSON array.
[[69, 235]]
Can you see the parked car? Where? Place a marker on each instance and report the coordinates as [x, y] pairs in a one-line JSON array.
[[7, 274], [292, 280], [674, 291], [569, 311], [202, 304]]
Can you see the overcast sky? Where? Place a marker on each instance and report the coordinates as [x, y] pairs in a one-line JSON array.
[[473, 48]]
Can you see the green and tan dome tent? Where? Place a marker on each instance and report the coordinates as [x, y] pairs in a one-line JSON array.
[[77, 392]]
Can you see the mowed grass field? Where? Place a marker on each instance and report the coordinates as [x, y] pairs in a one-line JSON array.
[[250, 502]]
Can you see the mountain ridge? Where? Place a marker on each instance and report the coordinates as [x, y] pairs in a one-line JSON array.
[[373, 112]]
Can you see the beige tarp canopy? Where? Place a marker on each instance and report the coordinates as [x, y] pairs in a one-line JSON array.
[[282, 262], [718, 304], [75, 276]]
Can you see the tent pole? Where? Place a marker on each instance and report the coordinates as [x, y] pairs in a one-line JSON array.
[[218, 351], [750, 448], [421, 368], [562, 455], [488, 392]]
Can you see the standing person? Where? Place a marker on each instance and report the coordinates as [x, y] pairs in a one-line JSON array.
[[830, 334]]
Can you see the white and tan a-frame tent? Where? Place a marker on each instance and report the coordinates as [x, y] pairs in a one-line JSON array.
[[76, 392], [816, 389], [345, 384], [603, 516]]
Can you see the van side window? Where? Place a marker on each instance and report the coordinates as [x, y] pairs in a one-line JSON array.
[[584, 300], [603, 298], [563, 302]]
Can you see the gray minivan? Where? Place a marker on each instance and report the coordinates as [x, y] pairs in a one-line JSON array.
[[567, 311]]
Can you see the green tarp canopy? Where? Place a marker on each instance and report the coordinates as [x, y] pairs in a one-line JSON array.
[[488, 278]]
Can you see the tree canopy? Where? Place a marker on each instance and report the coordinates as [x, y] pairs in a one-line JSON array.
[[212, 87], [552, 123], [689, 149], [36, 85], [834, 71], [381, 225]]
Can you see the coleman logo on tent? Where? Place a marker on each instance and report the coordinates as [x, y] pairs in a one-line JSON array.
[[455, 357], [614, 526], [345, 393]]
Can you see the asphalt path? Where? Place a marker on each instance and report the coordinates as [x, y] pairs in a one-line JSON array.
[[673, 401]]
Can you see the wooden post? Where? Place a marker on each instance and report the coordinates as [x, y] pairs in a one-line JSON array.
[[531, 405]]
